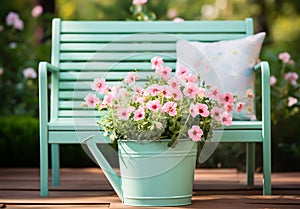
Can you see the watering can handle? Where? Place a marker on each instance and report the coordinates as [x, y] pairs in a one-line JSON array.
[[109, 172]]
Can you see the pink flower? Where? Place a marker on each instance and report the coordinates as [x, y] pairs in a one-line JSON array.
[[158, 125], [156, 62], [29, 73], [182, 73], [131, 78], [18, 24], [138, 90], [107, 100], [11, 18], [229, 107], [139, 2], [190, 90], [164, 72], [165, 90], [37, 11], [217, 112], [191, 78], [203, 109], [154, 105], [99, 85], [91, 100], [174, 83], [123, 113], [170, 107], [202, 92], [153, 90], [292, 77], [226, 119], [139, 114], [292, 101], [176, 93], [240, 106], [291, 62], [215, 93], [178, 19], [193, 110], [195, 133], [273, 80], [284, 57], [228, 98], [250, 93]]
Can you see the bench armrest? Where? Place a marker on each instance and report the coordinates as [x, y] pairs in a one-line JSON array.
[[44, 67], [266, 96]]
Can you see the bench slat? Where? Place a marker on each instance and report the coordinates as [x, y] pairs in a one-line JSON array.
[[152, 27], [88, 38]]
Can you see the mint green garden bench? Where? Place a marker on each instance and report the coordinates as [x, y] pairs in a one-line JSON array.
[[80, 49]]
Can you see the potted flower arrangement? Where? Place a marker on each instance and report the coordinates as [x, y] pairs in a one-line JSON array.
[[156, 128]]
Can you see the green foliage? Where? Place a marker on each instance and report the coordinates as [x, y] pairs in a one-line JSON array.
[[21, 48]]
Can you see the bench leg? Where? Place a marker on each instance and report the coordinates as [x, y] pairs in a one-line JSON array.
[[55, 164], [250, 163], [267, 167], [44, 176]]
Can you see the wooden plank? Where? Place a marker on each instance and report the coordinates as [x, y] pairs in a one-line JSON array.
[[236, 136], [76, 136]]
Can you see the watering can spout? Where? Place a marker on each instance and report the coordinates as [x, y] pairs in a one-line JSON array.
[[109, 172]]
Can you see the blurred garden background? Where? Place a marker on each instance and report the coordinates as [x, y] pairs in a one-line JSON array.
[[25, 31]]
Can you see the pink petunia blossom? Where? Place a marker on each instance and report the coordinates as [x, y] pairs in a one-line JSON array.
[[176, 93], [174, 83], [226, 119], [158, 125], [99, 85], [29, 73], [216, 112], [123, 113], [292, 101], [107, 100], [18, 24], [284, 57], [292, 77], [203, 109], [91, 100], [156, 62], [139, 114], [138, 90], [182, 73], [215, 93], [193, 110], [164, 72], [228, 98], [291, 62], [170, 107], [153, 90], [190, 90], [202, 92], [154, 105], [139, 2], [165, 90], [273, 80], [229, 107], [191, 78], [37, 11], [131, 78], [250, 93], [195, 133], [240, 106]]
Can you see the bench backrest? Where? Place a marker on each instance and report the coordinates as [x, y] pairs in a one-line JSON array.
[[84, 50]]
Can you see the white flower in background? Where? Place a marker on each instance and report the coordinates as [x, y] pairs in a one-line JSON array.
[[37, 11], [292, 101], [178, 19], [139, 2], [12, 45], [29, 73]]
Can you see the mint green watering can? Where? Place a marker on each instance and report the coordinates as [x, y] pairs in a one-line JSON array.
[[151, 174]]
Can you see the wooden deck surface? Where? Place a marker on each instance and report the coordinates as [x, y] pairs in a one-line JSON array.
[[88, 188]]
